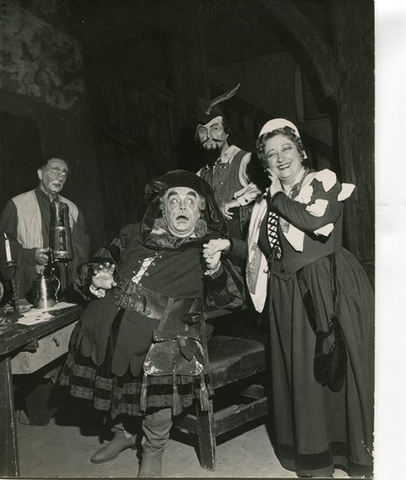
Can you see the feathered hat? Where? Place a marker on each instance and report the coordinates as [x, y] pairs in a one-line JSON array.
[[209, 109]]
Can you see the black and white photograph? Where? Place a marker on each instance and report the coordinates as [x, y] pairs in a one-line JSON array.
[[188, 233]]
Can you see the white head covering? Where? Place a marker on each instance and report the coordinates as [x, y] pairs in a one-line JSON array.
[[276, 123]]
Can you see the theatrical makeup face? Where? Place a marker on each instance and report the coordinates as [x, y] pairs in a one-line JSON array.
[[212, 135], [282, 158], [53, 176], [181, 209]]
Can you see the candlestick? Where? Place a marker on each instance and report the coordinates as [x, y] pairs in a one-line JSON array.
[[15, 301], [9, 258]]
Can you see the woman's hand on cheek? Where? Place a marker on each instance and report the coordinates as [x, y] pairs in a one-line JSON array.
[[275, 184]]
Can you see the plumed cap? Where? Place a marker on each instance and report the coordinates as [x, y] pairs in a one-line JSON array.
[[209, 109]]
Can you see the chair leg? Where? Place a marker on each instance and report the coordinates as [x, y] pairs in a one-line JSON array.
[[207, 437]]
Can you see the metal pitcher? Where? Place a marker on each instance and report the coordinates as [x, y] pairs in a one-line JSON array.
[[45, 291]]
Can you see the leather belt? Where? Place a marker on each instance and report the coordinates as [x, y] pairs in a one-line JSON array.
[[148, 303]]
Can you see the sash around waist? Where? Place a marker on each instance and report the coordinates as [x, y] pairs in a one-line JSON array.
[[147, 302]]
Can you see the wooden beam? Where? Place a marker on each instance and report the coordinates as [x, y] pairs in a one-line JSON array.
[[318, 51], [354, 44], [9, 462]]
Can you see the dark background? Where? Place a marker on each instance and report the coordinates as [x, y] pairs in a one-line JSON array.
[[113, 87]]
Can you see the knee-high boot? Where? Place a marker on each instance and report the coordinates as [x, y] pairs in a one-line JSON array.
[[156, 427]]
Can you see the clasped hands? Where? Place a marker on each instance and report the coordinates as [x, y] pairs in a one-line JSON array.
[[103, 279], [212, 252]]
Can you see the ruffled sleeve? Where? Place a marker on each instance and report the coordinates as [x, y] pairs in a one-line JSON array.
[[315, 210]]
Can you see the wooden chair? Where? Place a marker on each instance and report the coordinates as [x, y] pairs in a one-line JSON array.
[[234, 367]]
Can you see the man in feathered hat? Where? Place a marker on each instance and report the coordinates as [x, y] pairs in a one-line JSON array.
[[149, 280], [227, 168]]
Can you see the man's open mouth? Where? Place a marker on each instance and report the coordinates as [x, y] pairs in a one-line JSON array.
[[182, 218]]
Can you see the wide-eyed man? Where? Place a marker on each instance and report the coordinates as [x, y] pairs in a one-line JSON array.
[[150, 278]]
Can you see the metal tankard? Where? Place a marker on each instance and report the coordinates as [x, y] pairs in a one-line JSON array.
[[45, 291]]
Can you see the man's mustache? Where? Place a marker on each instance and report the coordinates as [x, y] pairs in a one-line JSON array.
[[213, 139]]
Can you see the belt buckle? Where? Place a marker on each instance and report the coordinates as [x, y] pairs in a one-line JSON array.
[[138, 303], [129, 288], [124, 301]]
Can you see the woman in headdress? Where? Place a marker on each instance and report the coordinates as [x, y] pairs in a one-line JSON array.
[[312, 287]]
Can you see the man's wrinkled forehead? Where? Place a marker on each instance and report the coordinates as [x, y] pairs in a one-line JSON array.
[[57, 163], [213, 121], [181, 191]]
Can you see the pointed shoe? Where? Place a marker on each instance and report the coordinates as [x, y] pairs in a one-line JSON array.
[[113, 449]]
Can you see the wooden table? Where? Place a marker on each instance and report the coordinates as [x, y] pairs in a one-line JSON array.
[[12, 340]]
